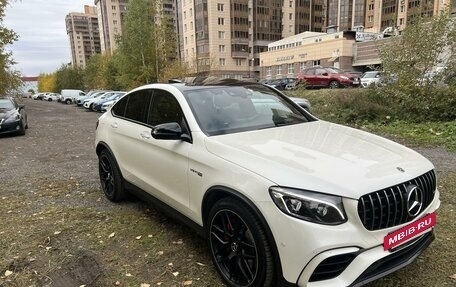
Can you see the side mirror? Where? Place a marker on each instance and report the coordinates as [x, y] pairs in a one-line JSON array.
[[170, 131], [21, 107]]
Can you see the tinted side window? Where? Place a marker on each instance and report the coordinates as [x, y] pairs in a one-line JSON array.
[[133, 106], [164, 109], [119, 108], [137, 105]]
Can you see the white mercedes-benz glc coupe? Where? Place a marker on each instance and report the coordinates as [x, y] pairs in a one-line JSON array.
[[283, 199]]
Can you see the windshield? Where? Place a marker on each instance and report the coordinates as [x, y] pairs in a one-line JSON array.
[[370, 75], [6, 104], [224, 110]]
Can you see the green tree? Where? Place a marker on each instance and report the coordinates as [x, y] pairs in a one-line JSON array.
[[68, 77], [136, 59], [9, 78], [417, 62]]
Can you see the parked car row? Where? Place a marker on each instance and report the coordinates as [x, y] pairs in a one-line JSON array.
[[46, 96], [94, 100], [327, 77]]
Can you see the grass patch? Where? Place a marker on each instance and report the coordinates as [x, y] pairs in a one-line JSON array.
[[368, 111], [47, 231]]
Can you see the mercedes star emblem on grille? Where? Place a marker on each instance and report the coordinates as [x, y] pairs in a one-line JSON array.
[[414, 200]]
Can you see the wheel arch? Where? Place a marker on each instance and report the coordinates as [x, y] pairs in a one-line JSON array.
[[217, 193]]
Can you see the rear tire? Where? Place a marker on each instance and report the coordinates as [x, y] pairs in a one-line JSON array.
[[239, 246], [67, 101], [110, 177]]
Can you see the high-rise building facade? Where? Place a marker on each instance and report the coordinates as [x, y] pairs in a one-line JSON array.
[[225, 37], [110, 16], [84, 35]]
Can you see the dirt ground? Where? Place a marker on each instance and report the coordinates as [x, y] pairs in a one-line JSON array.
[[57, 228]]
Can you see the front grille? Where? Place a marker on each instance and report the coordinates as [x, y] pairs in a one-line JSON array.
[[332, 267], [388, 207]]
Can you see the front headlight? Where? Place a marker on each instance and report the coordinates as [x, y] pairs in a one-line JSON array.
[[310, 206], [345, 78]]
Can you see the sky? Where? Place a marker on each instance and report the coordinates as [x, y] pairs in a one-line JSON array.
[[43, 44]]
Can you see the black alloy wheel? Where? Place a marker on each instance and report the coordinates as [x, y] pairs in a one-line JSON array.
[[110, 177], [239, 247]]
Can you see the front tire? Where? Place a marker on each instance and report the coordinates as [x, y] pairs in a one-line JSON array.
[[110, 177], [67, 101], [239, 246], [333, 84]]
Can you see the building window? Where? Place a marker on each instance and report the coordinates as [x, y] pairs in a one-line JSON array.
[[291, 4], [220, 7], [222, 61], [221, 34], [370, 7], [316, 63], [191, 12], [402, 8], [279, 70], [113, 7], [221, 21], [370, 19], [290, 28], [290, 16], [221, 48], [401, 21], [268, 71], [185, 15], [302, 66], [114, 22], [290, 69], [185, 27], [238, 62], [186, 41]]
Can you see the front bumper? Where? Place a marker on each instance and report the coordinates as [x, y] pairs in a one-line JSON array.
[[304, 248], [10, 127]]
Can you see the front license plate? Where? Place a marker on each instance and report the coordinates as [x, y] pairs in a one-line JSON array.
[[411, 230]]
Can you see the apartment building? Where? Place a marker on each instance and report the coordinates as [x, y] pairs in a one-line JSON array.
[[110, 17], [83, 32]]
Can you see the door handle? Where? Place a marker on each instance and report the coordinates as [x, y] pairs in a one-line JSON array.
[[114, 125], [145, 135]]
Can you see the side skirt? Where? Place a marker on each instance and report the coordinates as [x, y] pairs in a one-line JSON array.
[[165, 208]]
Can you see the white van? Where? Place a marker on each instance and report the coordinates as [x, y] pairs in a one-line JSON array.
[[66, 96]]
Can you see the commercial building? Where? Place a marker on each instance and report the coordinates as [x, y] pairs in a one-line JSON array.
[[84, 35], [287, 57]]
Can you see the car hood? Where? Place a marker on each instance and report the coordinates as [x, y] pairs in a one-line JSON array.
[[4, 114], [321, 156]]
